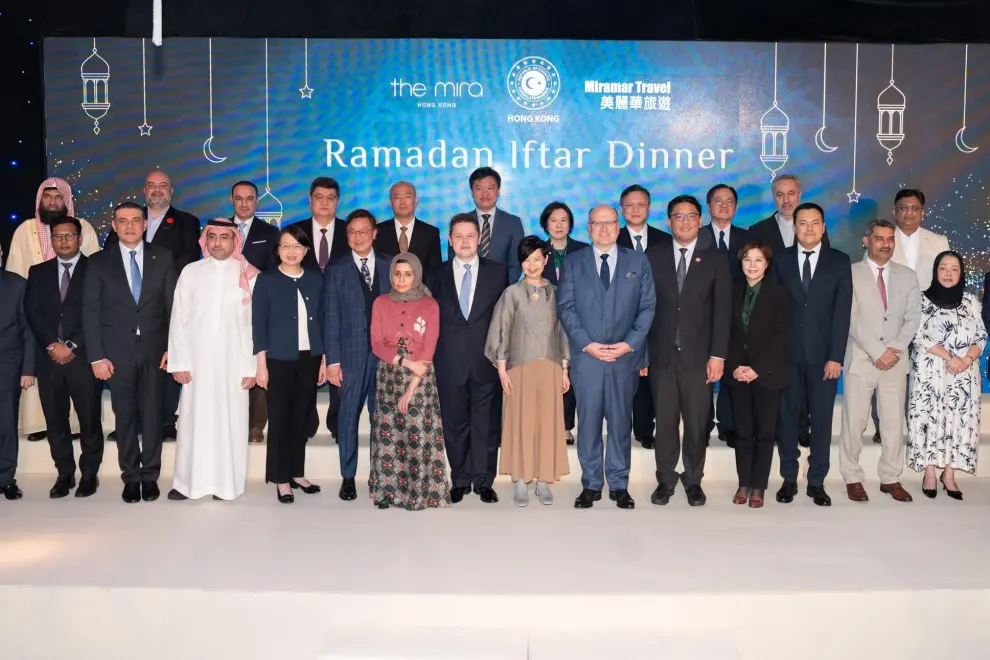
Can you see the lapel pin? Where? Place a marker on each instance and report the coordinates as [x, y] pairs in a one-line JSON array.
[[697, 260]]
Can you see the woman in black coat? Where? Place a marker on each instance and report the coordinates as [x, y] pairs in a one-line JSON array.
[[756, 369]]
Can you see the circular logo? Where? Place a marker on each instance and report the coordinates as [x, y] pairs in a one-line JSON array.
[[533, 83]]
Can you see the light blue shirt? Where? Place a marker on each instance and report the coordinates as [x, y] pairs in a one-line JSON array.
[[613, 260], [154, 223]]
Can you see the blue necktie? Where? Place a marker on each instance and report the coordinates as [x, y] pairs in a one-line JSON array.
[[605, 273], [135, 277], [465, 297], [721, 241]]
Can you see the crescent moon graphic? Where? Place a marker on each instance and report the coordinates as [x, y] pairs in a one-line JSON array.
[[820, 141], [208, 152], [961, 145], [533, 82]]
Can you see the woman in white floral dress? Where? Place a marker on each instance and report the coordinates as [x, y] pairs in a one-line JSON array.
[[946, 383]]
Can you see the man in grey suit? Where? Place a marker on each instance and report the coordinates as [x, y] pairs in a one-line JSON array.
[[886, 311], [500, 231], [606, 305]]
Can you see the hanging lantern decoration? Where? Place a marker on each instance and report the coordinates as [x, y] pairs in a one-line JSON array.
[[890, 115], [95, 74], [774, 125], [269, 208]]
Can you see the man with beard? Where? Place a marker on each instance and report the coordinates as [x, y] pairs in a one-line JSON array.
[[31, 245]]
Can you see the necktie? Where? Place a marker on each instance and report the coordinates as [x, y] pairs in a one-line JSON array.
[[465, 296], [403, 240], [639, 243], [135, 277], [365, 273], [806, 270], [605, 273], [681, 269], [721, 241], [882, 287], [241, 227], [63, 289], [486, 235], [324, 256]]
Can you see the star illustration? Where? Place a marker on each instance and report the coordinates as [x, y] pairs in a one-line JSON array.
[[307, 91], [853, 197], [144, 128]]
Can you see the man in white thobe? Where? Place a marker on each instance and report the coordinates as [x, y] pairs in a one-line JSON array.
[[211, 354]]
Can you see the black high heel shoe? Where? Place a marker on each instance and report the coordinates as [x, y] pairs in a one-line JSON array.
[[382, 505], [311, 489], [930, 493], [284, 499], [954, 494]]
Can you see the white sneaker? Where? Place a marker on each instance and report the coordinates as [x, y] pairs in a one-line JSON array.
[[543, 492], [522, 493]]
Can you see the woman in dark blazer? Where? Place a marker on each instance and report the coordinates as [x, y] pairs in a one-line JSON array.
[[558, 222], [756, 369], [286, 319]]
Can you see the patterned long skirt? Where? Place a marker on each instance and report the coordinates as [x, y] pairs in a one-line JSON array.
[[408, 459]]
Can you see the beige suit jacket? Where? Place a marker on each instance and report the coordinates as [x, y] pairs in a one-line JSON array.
[[872, 330], [930, 246]]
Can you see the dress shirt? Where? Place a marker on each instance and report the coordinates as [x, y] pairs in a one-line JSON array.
[[633, 234], [687, 255], [409, 229], [155, 222], [245, 223], [491, 218], [459, 276], [876, 273], [125, 253], [727, 230], [371, 263], [318, 236], [816, 252], [72, 265], [911, 245], [613, 261], [786, 228]]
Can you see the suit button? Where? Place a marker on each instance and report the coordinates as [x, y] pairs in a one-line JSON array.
[[404, 313], [402, 325]]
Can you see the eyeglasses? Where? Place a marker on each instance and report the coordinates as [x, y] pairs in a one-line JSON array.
[[914, 208], [63, 237], [603, 224], [359, 232], [718, 201], [290, 248], [685, 217]]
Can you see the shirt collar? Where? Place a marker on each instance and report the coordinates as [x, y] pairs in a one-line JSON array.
[[126, 251], [74, 260], [612, 252], [817, 249], [158, 218], [358, 258], [473, 263], [913, 237], [690, 247], [642, 232], [874, 266]]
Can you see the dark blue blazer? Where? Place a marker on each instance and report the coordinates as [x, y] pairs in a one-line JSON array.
[[819, 320], [275, 312], [346, 335], [550, 272], [16, 344], [259, 246], [507, 232]]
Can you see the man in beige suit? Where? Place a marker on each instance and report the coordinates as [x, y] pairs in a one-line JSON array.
[[886, 311]]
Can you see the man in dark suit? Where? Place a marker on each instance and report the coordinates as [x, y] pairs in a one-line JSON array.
[[606, 304], [328, 236], [178, 232], [688, 343], [54, 303], [16, 374], [638, 235], [500, 231], [259, 239], [466, 288], [407, 233], [818, 280], [351, 285], [127, 305], [728, 239]]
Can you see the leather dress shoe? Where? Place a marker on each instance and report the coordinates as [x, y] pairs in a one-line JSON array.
[[756, 498], [35, 437], [87, 486], [169, 432], [647, 441], [62, 486], [176, 496], [818, 494], [787, 492], [896, 490], [487, 494], [348, 491], [622, 499], [75, 436], [132, 493], [857, 493], [11, 491], [587, 498], [149, 491], [696, 496], [662, 494], [742, 494], [457, 493]]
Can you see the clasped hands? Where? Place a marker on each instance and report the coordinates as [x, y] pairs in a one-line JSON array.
[[607, 352], [957, 365], [890, 357]]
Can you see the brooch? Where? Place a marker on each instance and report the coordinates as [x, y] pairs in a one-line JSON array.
[[169, 221], [697, 260], [534, 296]]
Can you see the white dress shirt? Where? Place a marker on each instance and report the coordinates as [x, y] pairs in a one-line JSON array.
[[72, 265], [613, 261], [125, 253], [815, 253], [642, 234], [687, 255], [727, 230], [409, 229], [491, 218], [371, 262], [318, 236], [155, 222], [786, 228], [911, 246], [459, 276], [876, 273]]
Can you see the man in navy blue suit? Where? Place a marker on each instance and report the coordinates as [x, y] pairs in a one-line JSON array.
[[500, 231], [352, 283], [818, 280], [606, 305]]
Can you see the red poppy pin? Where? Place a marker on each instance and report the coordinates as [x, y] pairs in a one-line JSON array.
[[697, 260], [169, 221]]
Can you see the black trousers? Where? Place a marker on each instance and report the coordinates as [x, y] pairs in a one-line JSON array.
[[333, 413], [136, 390], [807, 387], [755, 411], [570, 409], [10, 397], [58, 384], [472, 430], [170, 401], [643, 411], [291, 395], [681, 393], [257, 409]]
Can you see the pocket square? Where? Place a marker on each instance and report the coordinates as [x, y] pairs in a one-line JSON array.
[[630, 275], [256, 242]]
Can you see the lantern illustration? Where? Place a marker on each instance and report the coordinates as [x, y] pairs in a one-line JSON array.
[[774, 125], [890, 115], [95, 74]]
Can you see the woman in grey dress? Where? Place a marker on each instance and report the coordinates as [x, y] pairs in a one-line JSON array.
[[529, 347]]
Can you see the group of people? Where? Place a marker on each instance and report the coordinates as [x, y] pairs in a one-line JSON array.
[[483, 360]]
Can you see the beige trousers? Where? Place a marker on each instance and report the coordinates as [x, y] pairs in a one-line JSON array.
[[857, 391]]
